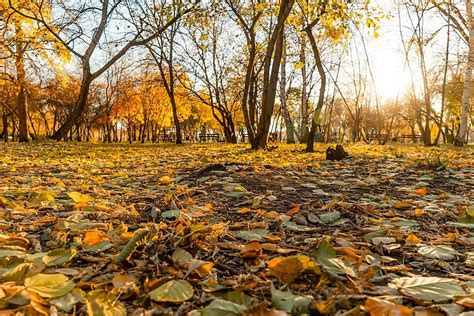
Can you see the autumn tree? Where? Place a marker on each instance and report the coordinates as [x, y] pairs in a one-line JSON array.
[[71, 27], [271, 67], [209, 59], [24, 46]]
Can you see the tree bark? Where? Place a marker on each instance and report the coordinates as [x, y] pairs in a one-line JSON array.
[[22, 104], [270, 76], [5, 127], [445, 78], [466, 94], [81, 103], [304, 91], [290, 129], [322, 91]]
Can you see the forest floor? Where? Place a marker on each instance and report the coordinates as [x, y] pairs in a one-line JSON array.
[[215, 229]]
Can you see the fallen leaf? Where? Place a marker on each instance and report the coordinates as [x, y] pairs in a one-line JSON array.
[[251, 250], [421, 191], [49, 285], [327, 257], [101, 303], [174, 291], [165, 180], [438, 252], [94, 237], [291, 303], [401, 205], [429, 288], [79, 197], [58, 256], [379, 307], [412, 239]]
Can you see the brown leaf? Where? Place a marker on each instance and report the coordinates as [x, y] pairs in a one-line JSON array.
[[401, 205], [379, 307], [251, 250], [285, 269]]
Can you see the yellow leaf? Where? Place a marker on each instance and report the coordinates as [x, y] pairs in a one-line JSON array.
[[204, 269], [165, 180], [46, 197], [79, 197], [244, 210], [412, 239], [101, 208], [287, 269]]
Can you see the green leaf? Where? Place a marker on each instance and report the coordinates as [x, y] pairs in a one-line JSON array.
[[468, 217], [102, 246], [291, 303], [298, 228], [222, 307], [67, 302], [330, 217], [101, 303], [132, 244], [437, 252], [16, 273], [12, 253], [402, 223], [327, 257], [59, 256], [174, 291], [255, 234], [237, 194], [49, 285], [171, 213], [174, 211], [429, 288], [237, 297], [378, 233]]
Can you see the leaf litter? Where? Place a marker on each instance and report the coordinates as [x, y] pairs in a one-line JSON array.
[[218, 229]]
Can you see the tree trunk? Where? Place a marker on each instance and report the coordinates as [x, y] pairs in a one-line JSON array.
[[290, 129], [79, 109], [248, 87], [22, 115], [268, 99], [22, 104], [322, 91], [445, 78], [270, 76], [461, 139], [304, 102], [5, 127]]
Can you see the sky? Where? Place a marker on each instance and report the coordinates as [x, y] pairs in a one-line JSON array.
[[388, 61]]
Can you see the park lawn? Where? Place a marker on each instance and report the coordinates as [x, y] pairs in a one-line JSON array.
[[215, 228]]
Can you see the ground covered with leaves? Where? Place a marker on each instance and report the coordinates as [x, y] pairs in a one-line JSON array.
[[222, 230]]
